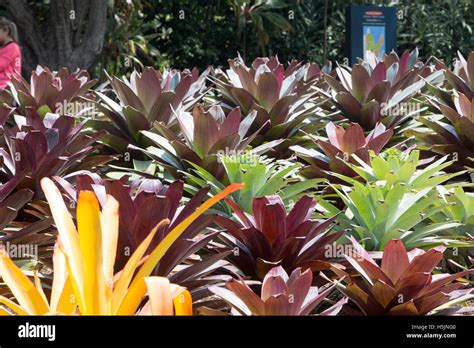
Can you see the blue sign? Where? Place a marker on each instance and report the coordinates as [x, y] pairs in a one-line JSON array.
[[370, 29]]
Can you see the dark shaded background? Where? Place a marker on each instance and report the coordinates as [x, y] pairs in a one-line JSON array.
[[118, 35]]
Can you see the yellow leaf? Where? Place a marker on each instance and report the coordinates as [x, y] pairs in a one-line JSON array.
[[159, 293], [126, 275], [12, 305], [166, 243], [4, 313], [60, 276], [39, 287], [136, 294], [77, 293], [183, 304], [21, 287], [109, 221], [62, 293], [173, 235], [90, 241], [67, 300], [67, 234]]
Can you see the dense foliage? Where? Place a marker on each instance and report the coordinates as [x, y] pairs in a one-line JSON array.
[[187, 33], [259, 189]]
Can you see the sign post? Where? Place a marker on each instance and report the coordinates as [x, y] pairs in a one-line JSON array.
[[370, 29]]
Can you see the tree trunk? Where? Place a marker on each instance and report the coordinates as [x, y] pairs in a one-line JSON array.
[[72, 37]]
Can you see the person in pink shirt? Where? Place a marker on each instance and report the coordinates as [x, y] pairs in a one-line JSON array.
[[10, 54]]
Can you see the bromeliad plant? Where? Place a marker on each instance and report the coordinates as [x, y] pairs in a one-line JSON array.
[[404, 283], [21, 224], [450, 130], [395, 166], [343, 143], [377, 213], [460, 208], [164, 298], [5, 112], [280, 295], [10, 207], [452, 138], [461, 79], [272, 237], [204, 135], [283, 98], [371, 92], [142, 205], [36, 147], [51, 91], [84, 281], [144, 99], [261, 176], [133, 241]]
